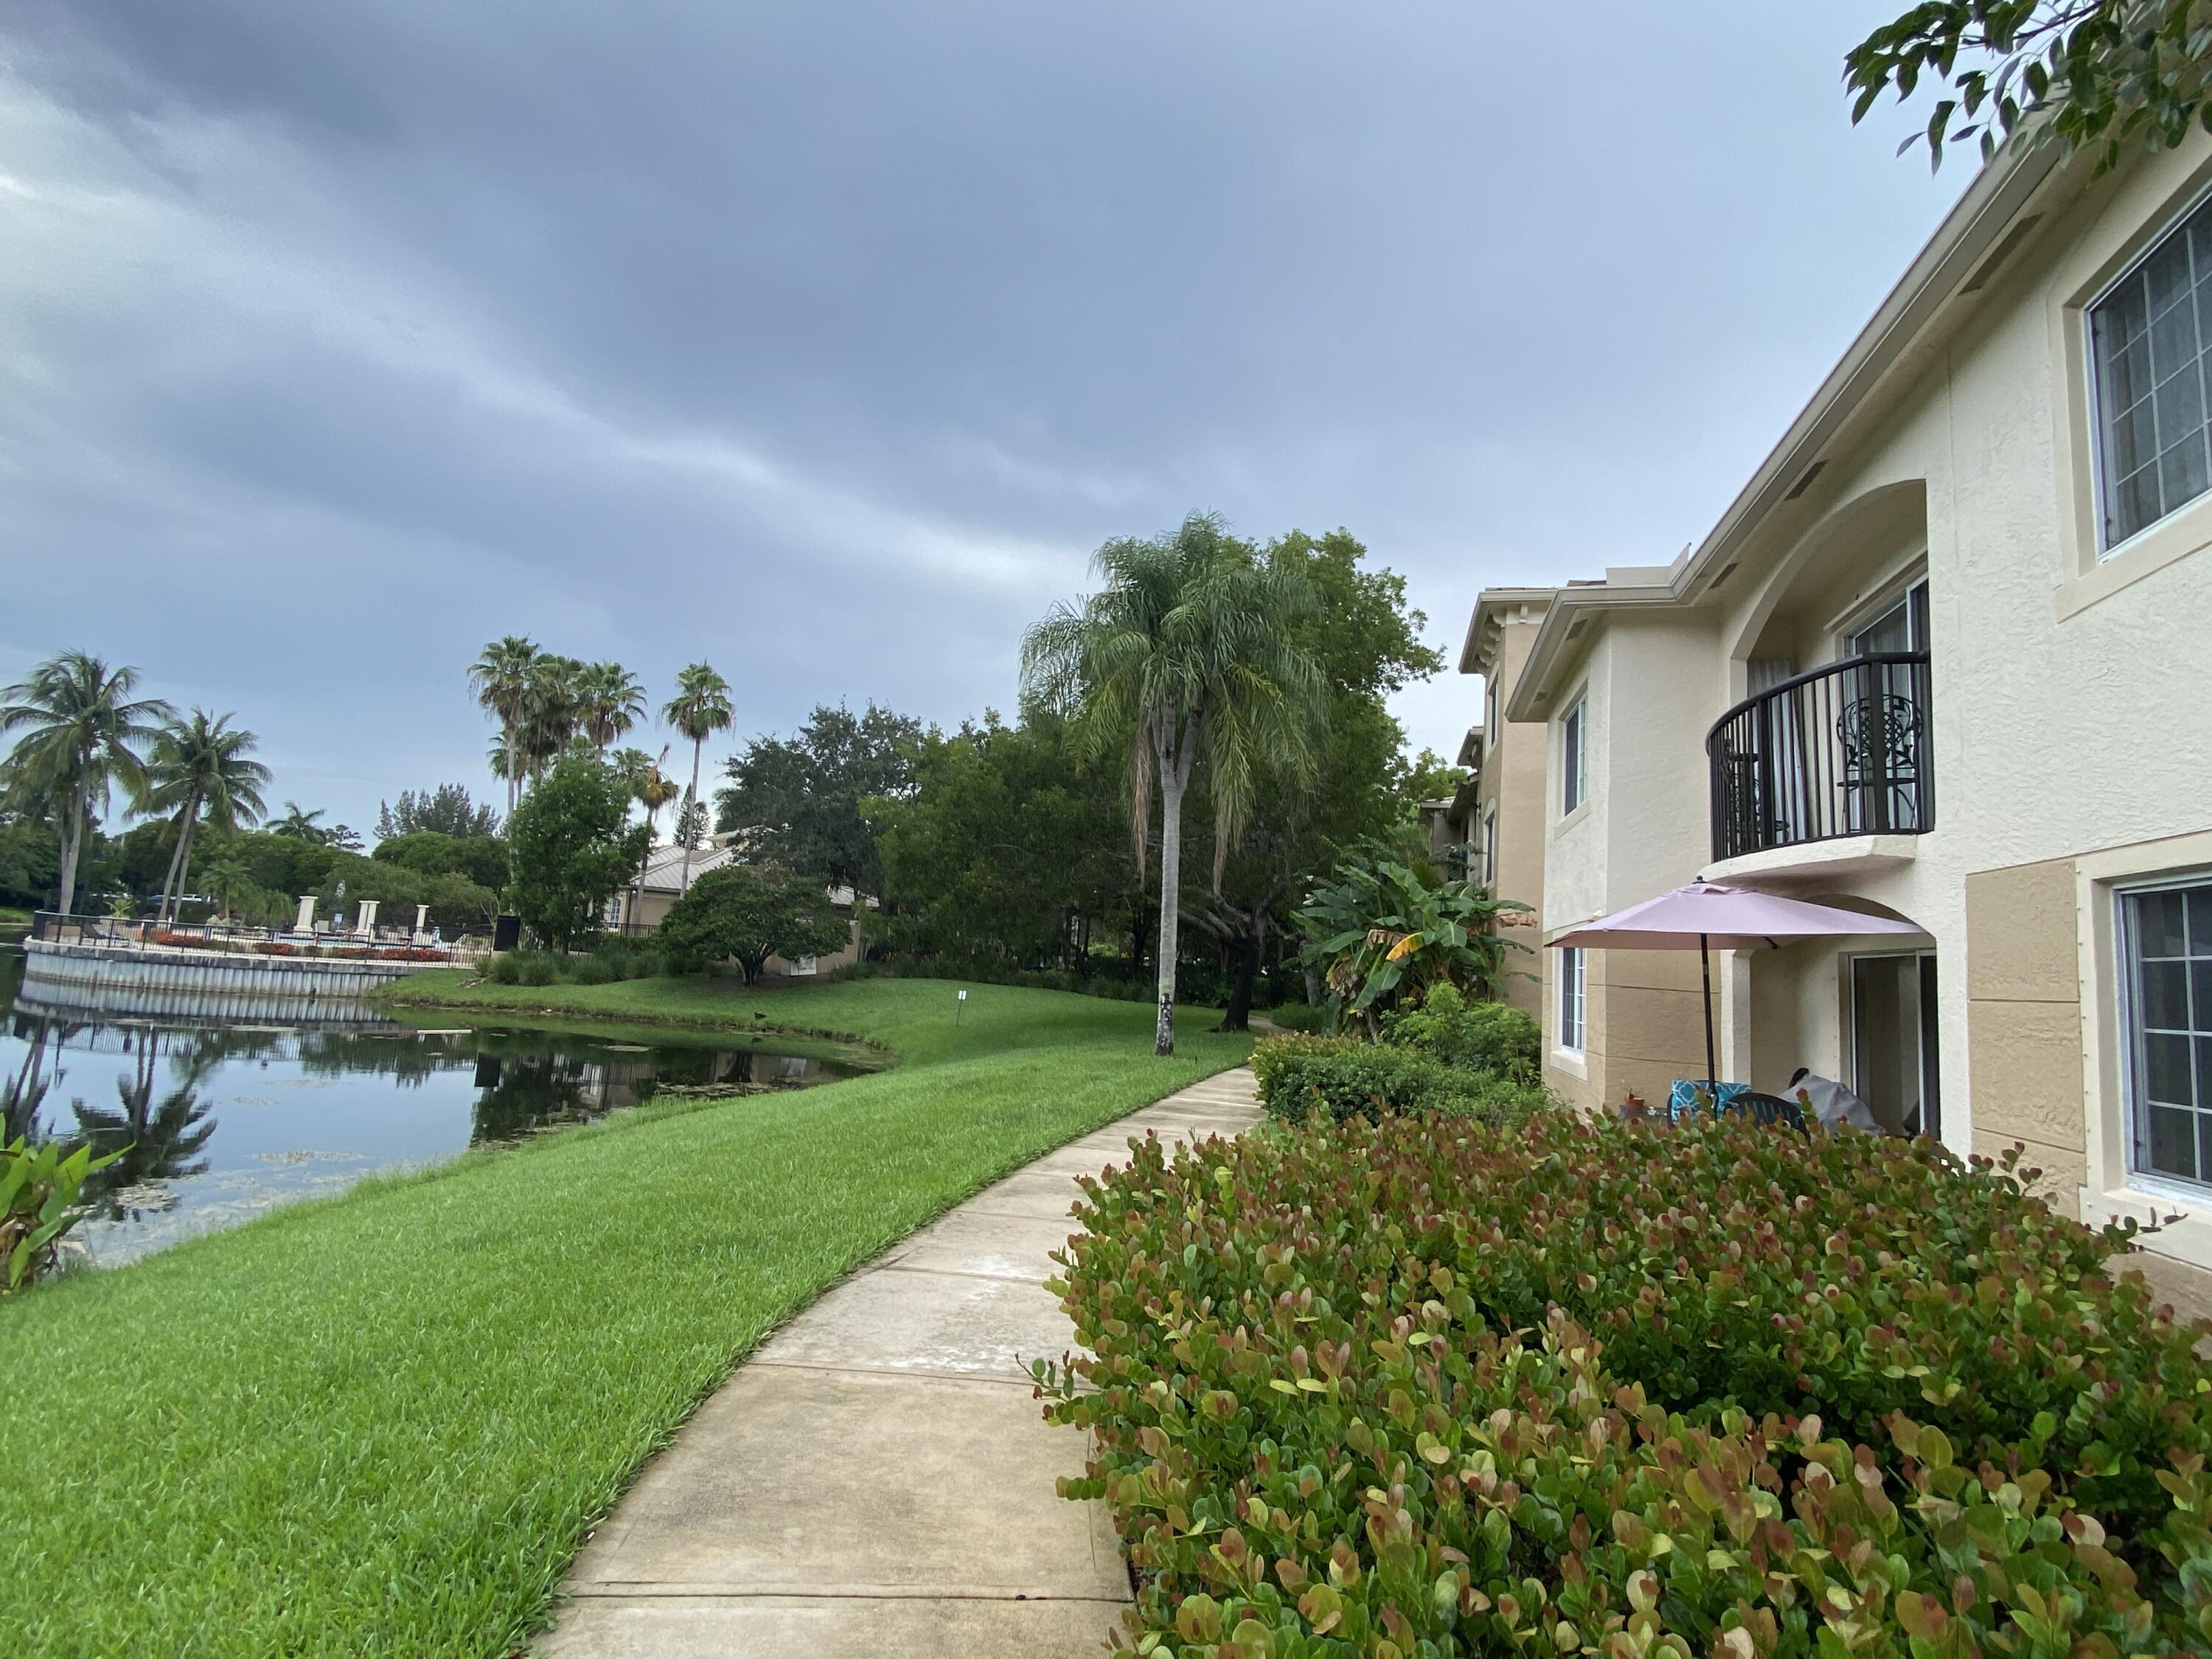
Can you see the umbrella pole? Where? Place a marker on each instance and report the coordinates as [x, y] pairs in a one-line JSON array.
[[1712, 1077]]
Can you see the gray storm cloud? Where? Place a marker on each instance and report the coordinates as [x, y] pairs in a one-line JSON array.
[[825, 341]]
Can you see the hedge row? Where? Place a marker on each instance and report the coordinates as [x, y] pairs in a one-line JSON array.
[[1344, 1077], [1448, 1387]]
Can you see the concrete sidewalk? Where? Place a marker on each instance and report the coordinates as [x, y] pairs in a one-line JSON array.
[[876, 1478]]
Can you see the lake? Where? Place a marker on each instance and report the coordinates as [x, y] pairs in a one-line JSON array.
[[225, 1121]]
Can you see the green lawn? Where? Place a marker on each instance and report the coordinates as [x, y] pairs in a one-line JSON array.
[[380, 1423]]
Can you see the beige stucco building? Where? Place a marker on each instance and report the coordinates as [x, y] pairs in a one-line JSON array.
[[1944, 659], [1497, 813]]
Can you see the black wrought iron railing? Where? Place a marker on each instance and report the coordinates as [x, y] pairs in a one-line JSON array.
[[1843, 750]]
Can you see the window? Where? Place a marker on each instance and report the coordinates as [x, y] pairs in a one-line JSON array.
[[1574, 771], [1571, 1000], [2147, 337], [2167, 949], [1490, 850], [1490, 715]]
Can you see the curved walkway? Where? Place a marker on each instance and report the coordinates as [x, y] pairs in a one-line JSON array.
[[876, 1478]]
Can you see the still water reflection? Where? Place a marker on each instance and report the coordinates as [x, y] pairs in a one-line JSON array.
[[224, 1122]]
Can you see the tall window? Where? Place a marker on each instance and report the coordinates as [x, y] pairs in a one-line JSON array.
[[2149, 338], [1574, 766], [1490, 850], [2167, 943], [1570, 999]]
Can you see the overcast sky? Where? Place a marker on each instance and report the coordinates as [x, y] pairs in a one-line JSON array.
[[826, 340]]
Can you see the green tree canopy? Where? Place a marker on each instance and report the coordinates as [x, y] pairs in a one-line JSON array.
[[447, 810], [746, 914], [1005, 848], [482, 858], [801, 797], [2086, 74], [571, 848]]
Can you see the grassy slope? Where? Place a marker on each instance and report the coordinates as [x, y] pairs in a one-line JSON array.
[[379, 1425]]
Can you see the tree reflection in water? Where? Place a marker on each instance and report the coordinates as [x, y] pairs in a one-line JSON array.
[[158, 1142]]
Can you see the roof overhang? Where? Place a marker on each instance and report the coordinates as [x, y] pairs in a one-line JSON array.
[[1487, 625], [1953, 259]]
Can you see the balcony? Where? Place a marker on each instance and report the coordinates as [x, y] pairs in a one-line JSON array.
[[1841, 751]]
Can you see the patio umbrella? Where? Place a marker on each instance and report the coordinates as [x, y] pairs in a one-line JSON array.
[[1734, 918]]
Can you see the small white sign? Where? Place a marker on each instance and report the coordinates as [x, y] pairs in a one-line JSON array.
[[963, 996]]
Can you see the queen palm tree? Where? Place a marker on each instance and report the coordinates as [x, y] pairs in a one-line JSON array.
[[610, 700], [1188, 653], [81, 735], [700, 708], [502, 677], [198, 767]]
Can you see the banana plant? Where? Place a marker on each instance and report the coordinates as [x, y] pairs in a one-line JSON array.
[[1382, 927], [39, 1187]]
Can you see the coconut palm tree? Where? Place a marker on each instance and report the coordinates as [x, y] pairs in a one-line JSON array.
[[299, 826], [198, 767], [610, 700], [700, 708], [225, 872], [81, 735], [1186, 652], [500, 676]]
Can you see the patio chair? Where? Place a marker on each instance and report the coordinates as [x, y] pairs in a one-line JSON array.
[[1767, 1109]]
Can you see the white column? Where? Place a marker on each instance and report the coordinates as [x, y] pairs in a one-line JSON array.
[[305, 922], [1732, 989], [422, 919], [365, 923]]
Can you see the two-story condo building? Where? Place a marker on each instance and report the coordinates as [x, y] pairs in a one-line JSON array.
[[1947, 658]]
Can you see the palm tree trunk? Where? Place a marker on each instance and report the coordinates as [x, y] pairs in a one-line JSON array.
[[684, 885], [185, 855], [72, 843], [173, 882], [1172, 779]]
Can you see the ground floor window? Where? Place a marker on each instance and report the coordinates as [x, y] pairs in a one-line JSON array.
[[2166, 936], [1571, 1000]]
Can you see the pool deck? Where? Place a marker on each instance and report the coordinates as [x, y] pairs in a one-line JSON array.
[[878, 1477]]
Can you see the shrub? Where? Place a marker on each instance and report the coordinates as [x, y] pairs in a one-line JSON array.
[[1314, 1017], [1443, 1388], [1343, 1077], [1486, 1036], [273, 947], [39, 1187], [524, 967]]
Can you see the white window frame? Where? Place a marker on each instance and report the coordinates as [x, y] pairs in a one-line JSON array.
[[1490, 851], [1572, 1003], [1574, 757], [2107, 549], [2135, 1131]]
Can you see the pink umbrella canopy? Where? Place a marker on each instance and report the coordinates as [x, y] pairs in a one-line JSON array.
[[1726, 918], [1705, 913]]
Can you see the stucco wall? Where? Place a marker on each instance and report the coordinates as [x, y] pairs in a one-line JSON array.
[[1512, 785], [2068, 710]]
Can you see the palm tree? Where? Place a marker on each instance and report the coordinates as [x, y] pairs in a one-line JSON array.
[[700, 708], [649, 787], [552, 712], [1188, 652], [225, 872], [610, 700], [81, 734], [198, 766], [501, 676], [299, 826]]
